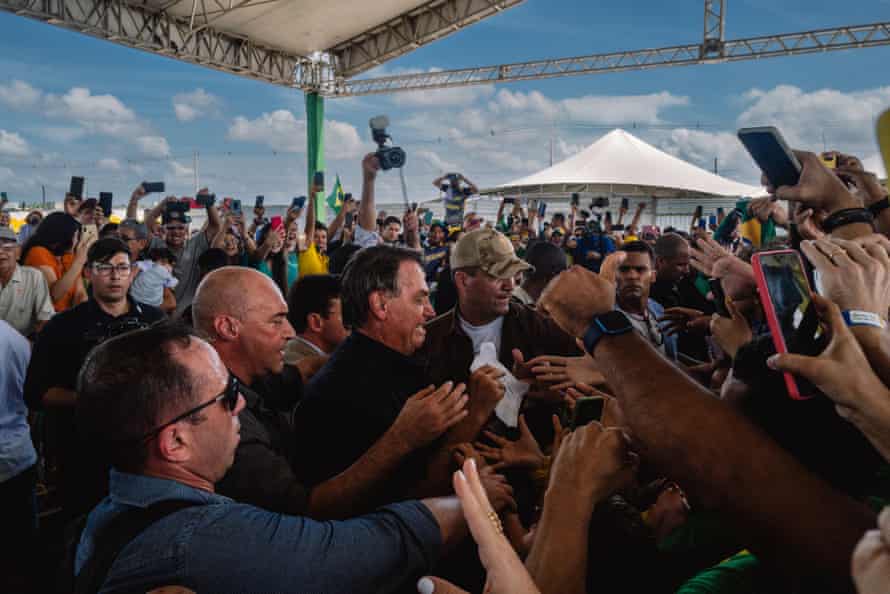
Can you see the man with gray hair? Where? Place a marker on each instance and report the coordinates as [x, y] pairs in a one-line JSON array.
[[135, 235]]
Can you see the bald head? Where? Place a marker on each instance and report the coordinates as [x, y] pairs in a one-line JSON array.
[[229, 291]]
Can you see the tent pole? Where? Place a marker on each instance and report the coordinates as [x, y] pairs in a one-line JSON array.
[[315, 149]]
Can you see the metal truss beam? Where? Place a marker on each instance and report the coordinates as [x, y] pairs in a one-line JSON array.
[[175, 37], [715, 28], [767, 46], [423, 25]]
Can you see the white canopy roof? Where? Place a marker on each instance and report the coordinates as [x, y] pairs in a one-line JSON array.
[[622, 164]]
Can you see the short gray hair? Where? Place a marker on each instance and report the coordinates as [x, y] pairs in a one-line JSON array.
[[139, 229]]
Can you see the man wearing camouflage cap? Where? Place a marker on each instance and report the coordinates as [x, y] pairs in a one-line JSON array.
[[484, 266]]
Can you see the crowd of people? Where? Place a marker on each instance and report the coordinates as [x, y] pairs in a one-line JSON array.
[[395, 404]]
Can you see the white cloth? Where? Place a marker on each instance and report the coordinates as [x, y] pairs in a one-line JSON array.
[[364, 238], [490, 332], [507, 409]]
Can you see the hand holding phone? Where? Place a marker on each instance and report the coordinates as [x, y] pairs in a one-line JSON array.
[[298, 203], [105, 199], [772, 154], [787, 302]]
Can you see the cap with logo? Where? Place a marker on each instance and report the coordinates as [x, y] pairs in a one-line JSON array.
[[175, 216], [490, 251]]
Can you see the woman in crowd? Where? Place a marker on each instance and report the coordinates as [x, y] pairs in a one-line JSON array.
[[58, 251]]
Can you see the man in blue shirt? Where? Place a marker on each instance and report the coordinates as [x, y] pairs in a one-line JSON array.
[[166, 409], [593, 247]]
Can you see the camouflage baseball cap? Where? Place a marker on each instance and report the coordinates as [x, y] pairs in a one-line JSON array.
[[489, 251]]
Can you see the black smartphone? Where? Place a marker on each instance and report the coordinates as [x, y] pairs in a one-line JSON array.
[[608, 217], [772, 154], [298, 202], [236, 205], [318, 180], [625, 204], [347, 197], [576, 199], [542, 209], [698, 212], [587, 409], [76, 187], [618, 227], [208, 200], [719, 297], [509, 200], [258, 203], [712, 220], [349, 217], [105, 202], [3, 197], [153, 187], [702, 224]]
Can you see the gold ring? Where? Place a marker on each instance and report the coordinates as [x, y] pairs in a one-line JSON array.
[[493, 516]]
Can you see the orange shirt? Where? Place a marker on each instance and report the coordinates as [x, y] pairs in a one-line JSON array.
[[40, 256]]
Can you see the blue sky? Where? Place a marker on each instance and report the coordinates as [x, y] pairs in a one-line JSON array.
[[74, 105]]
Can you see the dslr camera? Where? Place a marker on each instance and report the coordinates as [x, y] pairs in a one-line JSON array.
[[389, 156]]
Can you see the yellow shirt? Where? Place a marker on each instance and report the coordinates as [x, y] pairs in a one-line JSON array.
[[312, 262]]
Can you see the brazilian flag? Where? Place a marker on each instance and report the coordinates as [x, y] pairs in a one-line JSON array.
[[335, 198], [750, 228]]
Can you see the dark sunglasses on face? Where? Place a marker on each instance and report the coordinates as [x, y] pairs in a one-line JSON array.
[[229, 398]]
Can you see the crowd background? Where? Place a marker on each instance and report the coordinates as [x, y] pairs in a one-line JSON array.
[[603, 397]]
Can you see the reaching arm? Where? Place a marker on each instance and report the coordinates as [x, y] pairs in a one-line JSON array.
[[636, 220], [438, 182], [338, 221], [133, 205]]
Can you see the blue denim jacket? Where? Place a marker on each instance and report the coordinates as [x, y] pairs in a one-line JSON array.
[[222, 546]]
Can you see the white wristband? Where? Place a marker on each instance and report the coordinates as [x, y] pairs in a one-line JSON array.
[[855, 317]]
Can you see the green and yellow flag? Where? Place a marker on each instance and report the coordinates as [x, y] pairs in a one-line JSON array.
[[335, 198]]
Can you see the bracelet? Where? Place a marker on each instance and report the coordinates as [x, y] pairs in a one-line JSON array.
[[854, 317], [847, 216], [879, 206]]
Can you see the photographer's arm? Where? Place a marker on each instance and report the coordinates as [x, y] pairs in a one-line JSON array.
[[367, 215], [438, 182]]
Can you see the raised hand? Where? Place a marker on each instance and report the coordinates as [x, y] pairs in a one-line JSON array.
[[429, 413], [522, 453], [485, 386], [854, 274], [731, 333], [562, 372], [575, 297]]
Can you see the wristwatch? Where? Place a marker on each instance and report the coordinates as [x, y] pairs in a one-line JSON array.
[[610, 323]]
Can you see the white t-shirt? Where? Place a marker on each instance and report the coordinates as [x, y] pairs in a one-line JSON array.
[[647, 327], [490, 332]]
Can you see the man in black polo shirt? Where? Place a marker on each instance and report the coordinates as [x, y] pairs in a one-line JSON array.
[[360, 393], [58, 354]]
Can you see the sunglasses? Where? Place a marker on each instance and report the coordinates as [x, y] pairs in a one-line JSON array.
[[229, 398]]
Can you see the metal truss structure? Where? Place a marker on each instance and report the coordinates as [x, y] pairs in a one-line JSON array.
[[192, 31], [409, 31]]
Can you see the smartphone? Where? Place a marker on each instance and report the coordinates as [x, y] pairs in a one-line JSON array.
[[542, 209], [236, 205], [772, 154], [208, 200], [3, 197], [89, 232], [276, 223], [618, 227], [347, 197], [413, 207], [587, 409], [625, 204], [105, 199], [153, 187], [509, 200], [576, 199], [702, 223], [786, 297], [830, 161], [76, 187], [298, 202], [699, 211], [712, 221], [719, 297], [258, 203], [318, 180], [349, 217]]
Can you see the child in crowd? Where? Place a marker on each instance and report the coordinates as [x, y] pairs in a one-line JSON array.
[[154, 280]]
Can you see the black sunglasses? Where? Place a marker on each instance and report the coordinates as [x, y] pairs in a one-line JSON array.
[[229, 398]]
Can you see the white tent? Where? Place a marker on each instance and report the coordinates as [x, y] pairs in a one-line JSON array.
[[621, 164]]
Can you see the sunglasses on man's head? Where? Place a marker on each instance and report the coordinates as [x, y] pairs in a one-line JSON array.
[[229, 398]]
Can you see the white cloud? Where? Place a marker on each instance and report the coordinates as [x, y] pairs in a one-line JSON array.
[[281, 131], [701, 147], [13, 145], [198, 103], [109, 164], [153, 146], [435, 161], [589, 109], [181, 171], [19, 95], [62, 134], [102, 114]]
